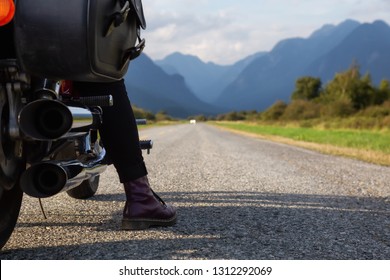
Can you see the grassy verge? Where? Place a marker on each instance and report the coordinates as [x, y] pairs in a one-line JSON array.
[[370, 146], [159, 123]]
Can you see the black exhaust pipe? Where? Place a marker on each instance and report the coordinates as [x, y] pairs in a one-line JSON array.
[[47, 119], [43, 180], [46, 179]]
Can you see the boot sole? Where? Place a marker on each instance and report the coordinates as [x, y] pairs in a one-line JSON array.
[[140, 224]]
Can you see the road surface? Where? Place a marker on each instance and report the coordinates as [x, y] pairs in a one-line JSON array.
[[237, 198]]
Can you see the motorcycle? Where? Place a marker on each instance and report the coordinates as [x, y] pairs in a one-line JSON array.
[[49, 139]]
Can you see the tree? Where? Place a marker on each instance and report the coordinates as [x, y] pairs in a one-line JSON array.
[[307, 88], [350, 86], [383, 92], [384, 85]]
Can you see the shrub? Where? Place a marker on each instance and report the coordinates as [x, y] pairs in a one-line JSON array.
[[338, 108], [274, 112], [143, 114], [378, 111], [301, 110]]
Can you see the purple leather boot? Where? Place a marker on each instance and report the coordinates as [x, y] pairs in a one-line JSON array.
[[145, 209]]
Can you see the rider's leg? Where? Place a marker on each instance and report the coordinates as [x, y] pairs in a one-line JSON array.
[[120, 137]]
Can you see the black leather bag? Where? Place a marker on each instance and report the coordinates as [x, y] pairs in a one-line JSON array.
[[80, 40]]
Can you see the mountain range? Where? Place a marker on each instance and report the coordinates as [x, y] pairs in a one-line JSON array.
[[183, 85]]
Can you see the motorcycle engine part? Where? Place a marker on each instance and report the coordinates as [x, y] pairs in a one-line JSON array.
[[67, 39], [47, 89]]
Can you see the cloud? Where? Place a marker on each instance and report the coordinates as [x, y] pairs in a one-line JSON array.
[[205, 34], [225, 31]]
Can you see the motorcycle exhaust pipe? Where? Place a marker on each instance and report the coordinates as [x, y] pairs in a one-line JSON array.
[[48, 119], [46, 179], [43, 180]]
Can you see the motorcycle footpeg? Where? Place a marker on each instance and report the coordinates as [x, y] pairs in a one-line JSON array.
[[146, 145], [93, 101]]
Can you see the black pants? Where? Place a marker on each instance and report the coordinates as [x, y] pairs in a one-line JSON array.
[[119, 130]]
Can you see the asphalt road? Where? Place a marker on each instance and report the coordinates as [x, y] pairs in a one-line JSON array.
[[237, 198]]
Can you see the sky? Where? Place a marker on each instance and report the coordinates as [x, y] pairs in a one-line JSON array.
[[225, 31]]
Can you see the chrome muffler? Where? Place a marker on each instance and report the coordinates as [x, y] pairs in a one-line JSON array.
[[49, 178], [48, 119]]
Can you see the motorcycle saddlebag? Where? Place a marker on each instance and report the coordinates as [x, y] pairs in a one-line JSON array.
[[76, 40]]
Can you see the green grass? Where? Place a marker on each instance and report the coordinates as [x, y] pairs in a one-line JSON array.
[[357, 139], [159, 123]]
